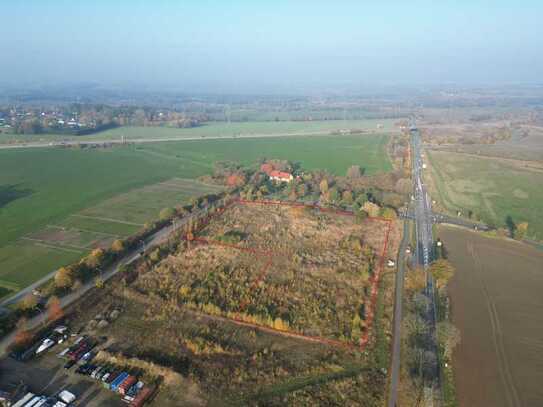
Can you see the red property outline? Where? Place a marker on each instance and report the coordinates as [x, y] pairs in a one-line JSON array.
[[370, 312]]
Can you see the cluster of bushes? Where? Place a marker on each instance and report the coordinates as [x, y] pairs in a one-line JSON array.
[[426, 353], [302, 302], [387, 191]]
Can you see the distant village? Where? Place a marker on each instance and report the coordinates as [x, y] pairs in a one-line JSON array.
[[80, 119]]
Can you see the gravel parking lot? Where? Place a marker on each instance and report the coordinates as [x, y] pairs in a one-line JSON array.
[[46, 375]]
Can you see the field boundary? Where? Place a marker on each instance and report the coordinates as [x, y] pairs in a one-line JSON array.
[[374, 282], [124, 222]]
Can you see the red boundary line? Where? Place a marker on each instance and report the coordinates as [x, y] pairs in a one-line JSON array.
[[374, 281]]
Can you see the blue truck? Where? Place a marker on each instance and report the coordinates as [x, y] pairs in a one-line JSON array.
[[118, 380]]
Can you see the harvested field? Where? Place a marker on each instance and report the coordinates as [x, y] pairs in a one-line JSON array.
[[498, 307], [71, 238], [143, 204], [526, 144], [492, 189]]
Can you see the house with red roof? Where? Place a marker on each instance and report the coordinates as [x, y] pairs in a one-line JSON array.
[[280, 176]]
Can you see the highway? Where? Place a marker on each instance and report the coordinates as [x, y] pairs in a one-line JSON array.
[[421, 212], [422, 206], [424, 218]]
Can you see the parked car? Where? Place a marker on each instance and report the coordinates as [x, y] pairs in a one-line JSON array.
[[46, 344], [95, 371], [88, 356], [66, 397]]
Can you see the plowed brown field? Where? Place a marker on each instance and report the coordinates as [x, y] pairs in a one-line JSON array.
[[497, 303]]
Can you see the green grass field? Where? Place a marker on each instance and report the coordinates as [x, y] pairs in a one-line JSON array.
[[333, 153], [491, 188], [99, 194], [140, 205], [23, 263], [214, 129]]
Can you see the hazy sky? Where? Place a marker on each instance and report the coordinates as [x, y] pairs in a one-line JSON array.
[[252, 44]]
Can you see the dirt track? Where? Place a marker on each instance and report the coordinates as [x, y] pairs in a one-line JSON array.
[[497, 303]]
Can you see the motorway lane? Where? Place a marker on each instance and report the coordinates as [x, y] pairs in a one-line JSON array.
[[423, 222]]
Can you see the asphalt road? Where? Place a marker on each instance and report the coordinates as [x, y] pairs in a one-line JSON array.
[[424, 252], [424, 218], [72, 142]]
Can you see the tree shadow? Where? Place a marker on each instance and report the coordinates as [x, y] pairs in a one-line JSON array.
[[9, 193], [511, 226]]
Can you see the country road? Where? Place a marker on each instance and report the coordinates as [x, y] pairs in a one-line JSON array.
[[72, 142]]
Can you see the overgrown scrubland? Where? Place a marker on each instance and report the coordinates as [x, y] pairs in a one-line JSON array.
[[215, 318]]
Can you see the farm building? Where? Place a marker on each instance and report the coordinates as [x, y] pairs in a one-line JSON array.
[[281, 176]]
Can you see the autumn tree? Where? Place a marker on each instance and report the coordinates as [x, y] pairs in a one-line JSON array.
[[347, 197], [324, 186], [371, 208], [117, 246], [23, 336], [442, 271], [64, 278], [521, 231], [54, 309], [95, 259], [236, 180], [29, 302], [415, 280]]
